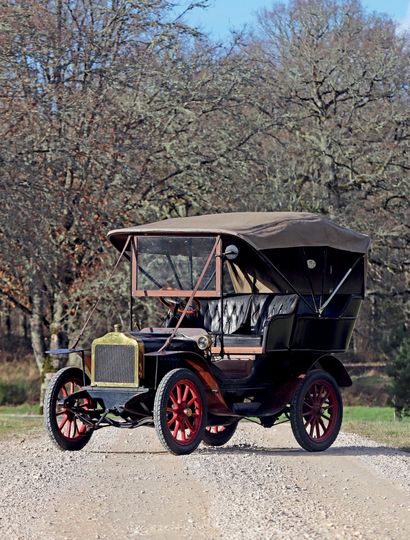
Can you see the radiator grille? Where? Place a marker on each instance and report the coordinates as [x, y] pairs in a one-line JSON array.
[[114, 364]]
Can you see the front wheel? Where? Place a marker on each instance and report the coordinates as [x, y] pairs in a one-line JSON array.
[[180, 411], [65, 429], [316, 411]]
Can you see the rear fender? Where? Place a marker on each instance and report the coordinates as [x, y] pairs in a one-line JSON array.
[[334, 366]]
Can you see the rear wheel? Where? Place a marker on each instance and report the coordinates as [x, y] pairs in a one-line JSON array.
[[219, 435], [316, 411], [180, 411], [65, 429]]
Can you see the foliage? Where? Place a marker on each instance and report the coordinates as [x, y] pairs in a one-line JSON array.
[[17, 392], [116, 113], [399, 369], [370, 389]]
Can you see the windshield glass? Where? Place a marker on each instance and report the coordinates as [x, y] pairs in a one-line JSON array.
[[172, 265]]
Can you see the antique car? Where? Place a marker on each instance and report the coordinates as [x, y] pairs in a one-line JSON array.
[[256, 308]]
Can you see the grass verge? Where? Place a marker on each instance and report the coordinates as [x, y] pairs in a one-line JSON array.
[[18, 419], [378, 423]]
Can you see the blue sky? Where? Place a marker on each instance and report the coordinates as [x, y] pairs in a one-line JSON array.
[[224, 15]]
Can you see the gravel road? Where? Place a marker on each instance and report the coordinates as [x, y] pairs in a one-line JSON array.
[[260, 485]]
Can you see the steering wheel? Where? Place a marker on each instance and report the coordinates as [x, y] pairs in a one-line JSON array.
[[177, 305]]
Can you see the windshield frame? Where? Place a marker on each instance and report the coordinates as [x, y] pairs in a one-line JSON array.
[[169, 293]]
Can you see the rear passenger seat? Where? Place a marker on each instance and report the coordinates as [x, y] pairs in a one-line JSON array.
[[245, 316]]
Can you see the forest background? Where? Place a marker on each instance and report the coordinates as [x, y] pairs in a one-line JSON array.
[[116, 113]]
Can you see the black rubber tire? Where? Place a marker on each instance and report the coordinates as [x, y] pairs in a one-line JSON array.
[[161, 419], [298, 405], [221, 438], [60, 378]]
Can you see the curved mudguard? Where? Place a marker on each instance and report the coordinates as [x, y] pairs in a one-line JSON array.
[[334, 366]]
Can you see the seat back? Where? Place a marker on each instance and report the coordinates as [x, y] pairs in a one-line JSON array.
[[264, 307], [235, 314], [248, 313]]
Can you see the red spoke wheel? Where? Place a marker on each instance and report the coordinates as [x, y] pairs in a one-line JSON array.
[[316, 411], [219, 435], [65, 429], [180, 411]]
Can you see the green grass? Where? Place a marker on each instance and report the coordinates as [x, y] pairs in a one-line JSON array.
[[368, 414], [25, 408], [378, 423], [21, 422]]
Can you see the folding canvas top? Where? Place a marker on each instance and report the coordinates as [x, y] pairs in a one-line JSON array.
[[262, 230]]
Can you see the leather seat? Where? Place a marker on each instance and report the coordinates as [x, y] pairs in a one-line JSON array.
[[264, 307], [245, 316], [235, 314]]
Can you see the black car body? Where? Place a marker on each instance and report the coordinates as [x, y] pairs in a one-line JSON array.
[[258, 306]]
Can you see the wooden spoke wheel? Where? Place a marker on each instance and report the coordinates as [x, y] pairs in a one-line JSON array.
[[316, 411], [180, 411], [219, 435], [65, 429]]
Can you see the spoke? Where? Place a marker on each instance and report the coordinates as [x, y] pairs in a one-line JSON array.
[[186, 391], [64, 391], [68, 429], [317, 429], [188, 424], [63, 423], [191, 401], [307, 413], [323, 394], [312, 427], [71, 387], [308, 421], [176, 428], [172, 420], [179, 394], [182, 432], [61, 412], [322, 425], [75, 428], [172, 397]]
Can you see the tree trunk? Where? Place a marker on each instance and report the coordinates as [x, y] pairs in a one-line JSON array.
[[37, 328], [58, 337]]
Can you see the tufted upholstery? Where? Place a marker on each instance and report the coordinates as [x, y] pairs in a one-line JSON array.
[[247, 314], [236, 310], [264, 307]]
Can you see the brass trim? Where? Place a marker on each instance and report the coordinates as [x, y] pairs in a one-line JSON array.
[[115, 339]]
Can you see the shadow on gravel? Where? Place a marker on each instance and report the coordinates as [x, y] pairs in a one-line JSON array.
[[298, 452], [131, 452], [263, 451]]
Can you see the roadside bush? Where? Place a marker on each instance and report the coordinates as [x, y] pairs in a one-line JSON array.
[[17, 392], [399, 370], [19, 379]]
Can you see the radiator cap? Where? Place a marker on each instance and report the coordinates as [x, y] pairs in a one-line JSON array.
[[117, 328]]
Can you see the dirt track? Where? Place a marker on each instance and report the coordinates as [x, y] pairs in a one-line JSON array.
[[261, 485]]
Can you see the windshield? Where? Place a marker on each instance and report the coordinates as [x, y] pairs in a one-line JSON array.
[[171, 266]]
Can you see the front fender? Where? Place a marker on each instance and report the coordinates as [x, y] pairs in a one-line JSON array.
[[198, 364]]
